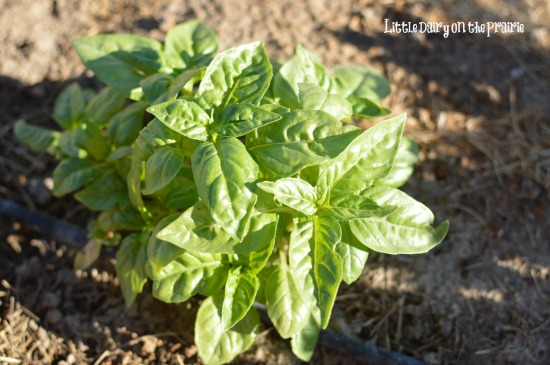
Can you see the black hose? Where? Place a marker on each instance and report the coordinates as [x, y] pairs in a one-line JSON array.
[[333, 348]]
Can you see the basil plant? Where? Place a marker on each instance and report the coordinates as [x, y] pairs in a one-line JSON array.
[[234, 177]]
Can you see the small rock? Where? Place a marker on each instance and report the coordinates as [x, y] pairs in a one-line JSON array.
[[54, 316]]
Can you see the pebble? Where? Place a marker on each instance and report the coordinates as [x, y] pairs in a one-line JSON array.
[[54, 316]]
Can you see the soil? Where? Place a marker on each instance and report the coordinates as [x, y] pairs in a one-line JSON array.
[[478, 106]]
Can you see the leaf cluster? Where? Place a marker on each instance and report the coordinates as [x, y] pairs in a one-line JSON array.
[[234, 177]]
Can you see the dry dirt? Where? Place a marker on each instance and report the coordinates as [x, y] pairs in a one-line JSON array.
[[478, 106]]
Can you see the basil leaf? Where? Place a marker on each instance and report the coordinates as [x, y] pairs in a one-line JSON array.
[[130, 267], [104, 192], [88, 255], [361, 82], [216, 346], [260, 235], [285, 306], [327, 265], [120, 60], [255, 261], [369, 157], [301, 138], [160, 253], [406, 230], [303, 67], [71, 143], [352, 206], [154, 86], [179, 194], [353, 258], [240, 291], [95, 142], [161, 168], [222, 171], [71, 174], [183, 277], [176, 86], [195, 230], [403, 168], [316, 98], [367, 109], [294, 193], [240, 119], [190, 44], [183, 117], [37, 138], [238, 75], [103, 106], [126, 125], [303, 342], [69, 107]]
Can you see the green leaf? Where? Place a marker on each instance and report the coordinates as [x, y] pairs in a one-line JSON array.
[[222, 171], [71, 143], [184, 277], [365, 108], [128, 220], [183, 117], [403, 168], [238, 75], [160, 253], [88, 254], [316, 98], [240, 119], [294, 193], [195, 230], [158, 92], [120, 60], [369, 157], [154, 86], [190, 44], [303, 343], [285, 307], [161, 168], [256, 260], [353, 258], [37, 138], [259, 236], [240, 291], [327, 265], [301, 138], [304, 67], [71, 174], [179, 194], [125, 125], [130, 267], [361, 82], [216, 346], [352, 206], [103, 106], [69, 107], [104, 192], [407, 230], [95, 142]]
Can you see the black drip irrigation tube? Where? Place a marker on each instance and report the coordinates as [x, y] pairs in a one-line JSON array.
[[332, 348]]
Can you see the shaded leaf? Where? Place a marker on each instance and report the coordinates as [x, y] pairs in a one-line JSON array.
[[120, 60], [130, 266], [37, 138]]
